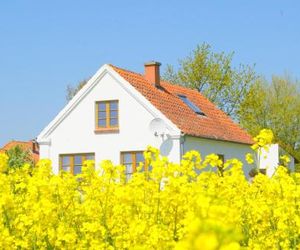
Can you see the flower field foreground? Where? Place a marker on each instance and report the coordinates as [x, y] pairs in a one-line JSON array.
[[170, 207]]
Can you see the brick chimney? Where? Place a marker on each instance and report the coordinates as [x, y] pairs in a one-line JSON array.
[[152, 73], [34, 146]]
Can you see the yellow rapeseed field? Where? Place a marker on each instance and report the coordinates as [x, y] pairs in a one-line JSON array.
[[173, 206]]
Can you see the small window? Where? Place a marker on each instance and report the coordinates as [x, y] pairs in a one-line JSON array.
[[221, 157], [191, 105], [131, 161], [263, 171], [107, 115], [73, 162]]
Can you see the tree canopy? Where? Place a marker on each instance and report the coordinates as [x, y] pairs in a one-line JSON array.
[[214, 75], [274, 105], [17, 157], [72, 90]]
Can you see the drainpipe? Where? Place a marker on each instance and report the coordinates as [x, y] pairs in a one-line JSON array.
[[182, 141]]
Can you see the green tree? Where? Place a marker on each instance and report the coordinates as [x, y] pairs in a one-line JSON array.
[[214, 76], [17, 157], [72, 90], [274, 105]]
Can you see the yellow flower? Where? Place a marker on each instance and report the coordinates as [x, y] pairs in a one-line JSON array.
[[171, 206], [285, 159], [263, 139], [3, 162], [249, 158], [213, 160]]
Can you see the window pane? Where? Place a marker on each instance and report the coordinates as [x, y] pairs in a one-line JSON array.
[[113, 114], [129, 169], [77, 160], [221, 157], [66, 160], [263, 171], [113, 122], [77, 169], [102, 106], [102, 115], [139, 158], [101, 123], [67, 169], [128, 177], [89, 157], [114, 105], [127, 158], [195, 108]]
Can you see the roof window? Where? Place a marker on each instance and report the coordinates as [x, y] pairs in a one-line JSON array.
[[191, 105]]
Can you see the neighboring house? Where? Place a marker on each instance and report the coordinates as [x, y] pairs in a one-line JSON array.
[[118, 113], [31, 146]]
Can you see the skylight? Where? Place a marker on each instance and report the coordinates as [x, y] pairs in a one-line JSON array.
[[191, 105]]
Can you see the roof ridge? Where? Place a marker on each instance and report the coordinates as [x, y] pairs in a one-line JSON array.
[[162, 80]]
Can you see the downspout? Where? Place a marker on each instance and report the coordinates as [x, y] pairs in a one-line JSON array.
[[182, 141]]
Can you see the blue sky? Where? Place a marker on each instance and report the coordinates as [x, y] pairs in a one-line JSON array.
[[46, 45]]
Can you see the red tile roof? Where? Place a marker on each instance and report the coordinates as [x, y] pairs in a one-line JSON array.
[[25, 145], [214, 125]]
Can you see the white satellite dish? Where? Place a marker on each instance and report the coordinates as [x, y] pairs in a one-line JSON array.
[[158, 127]]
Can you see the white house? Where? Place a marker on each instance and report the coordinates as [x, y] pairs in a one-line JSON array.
[[118, 113]]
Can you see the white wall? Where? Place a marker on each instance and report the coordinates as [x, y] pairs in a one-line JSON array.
[[228, 149], [269, 159], [75, 134]]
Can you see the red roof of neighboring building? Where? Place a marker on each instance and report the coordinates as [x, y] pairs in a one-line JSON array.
[[214, 125], [25, 145]]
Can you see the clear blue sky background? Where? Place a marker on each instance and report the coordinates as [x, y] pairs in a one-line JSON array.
[[46, 45]]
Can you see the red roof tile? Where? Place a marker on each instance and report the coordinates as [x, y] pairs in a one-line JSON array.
[[25, 145], [214, 125]]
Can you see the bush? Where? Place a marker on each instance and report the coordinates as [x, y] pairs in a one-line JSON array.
[[18, 157]]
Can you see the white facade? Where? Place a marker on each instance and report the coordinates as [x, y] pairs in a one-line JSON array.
[[269, 159], [73, 130], [229, 150]]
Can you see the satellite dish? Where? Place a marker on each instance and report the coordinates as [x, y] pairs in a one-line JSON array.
[[158, 127]]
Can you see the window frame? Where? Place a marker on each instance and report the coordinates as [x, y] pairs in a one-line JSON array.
[[222, 158], [263, 171], [134, 162], [107, 127], [191, 105], [72, 160]]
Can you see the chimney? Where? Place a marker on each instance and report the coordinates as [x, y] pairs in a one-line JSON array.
[[152, 73], [35, 146]]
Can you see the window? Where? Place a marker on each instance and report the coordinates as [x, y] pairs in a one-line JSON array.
[[221, 157], [107, 115], [263, 171], [131, 161], [191, 105], [73, 162]]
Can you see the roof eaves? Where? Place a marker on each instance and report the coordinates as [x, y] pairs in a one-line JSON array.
[[215, 138]]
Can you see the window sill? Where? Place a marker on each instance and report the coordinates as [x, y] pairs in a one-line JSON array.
[[106, 130]]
